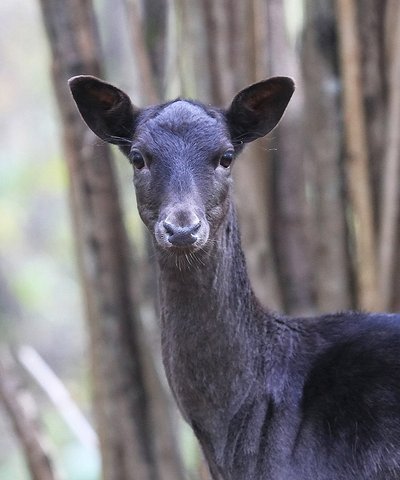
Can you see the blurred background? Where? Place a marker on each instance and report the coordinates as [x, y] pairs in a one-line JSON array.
[[82, 391]]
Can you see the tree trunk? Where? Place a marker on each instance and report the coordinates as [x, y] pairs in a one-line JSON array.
[[390, 211], [357, 157], [323, 153], [121, 399], [371, 22], [391, 49], [147, 85], [246, 49], [24, 421], [291, 217], [220, 70]]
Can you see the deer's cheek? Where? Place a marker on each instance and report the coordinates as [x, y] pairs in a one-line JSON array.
[[148, 213], [217, 206]]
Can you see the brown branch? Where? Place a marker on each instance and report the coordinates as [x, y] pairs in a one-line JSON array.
[[37, 458]]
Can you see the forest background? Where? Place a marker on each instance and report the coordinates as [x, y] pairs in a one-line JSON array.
[[318, 203]]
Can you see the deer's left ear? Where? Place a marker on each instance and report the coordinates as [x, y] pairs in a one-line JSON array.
[[106, 109], [257, 109]]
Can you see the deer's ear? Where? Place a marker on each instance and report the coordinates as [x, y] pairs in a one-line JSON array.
[[106, 110], [257, 109]]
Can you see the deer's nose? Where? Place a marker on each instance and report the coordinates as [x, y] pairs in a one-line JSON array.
[[181, 235]]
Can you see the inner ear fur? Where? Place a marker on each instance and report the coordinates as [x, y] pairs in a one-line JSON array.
[[257, 109], [106, 109]]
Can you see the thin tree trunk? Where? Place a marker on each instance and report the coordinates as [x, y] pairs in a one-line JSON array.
[[291, 218], [323, 151], [36, 454], [147, 85], [357, 157], [121, 399], [156, 26], [371, 21], [389, 216], [194, 57], [220, 70], [245, 49], [391, 19]]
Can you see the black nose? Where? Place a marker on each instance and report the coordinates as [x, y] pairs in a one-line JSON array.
[[181, 235]]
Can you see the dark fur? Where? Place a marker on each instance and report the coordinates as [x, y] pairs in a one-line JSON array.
[[268, 397]]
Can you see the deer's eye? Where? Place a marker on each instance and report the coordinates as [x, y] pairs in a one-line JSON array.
[[227, 158], [137, 160]]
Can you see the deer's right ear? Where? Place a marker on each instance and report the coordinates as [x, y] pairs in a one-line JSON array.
[[257, 109], [107, 111]]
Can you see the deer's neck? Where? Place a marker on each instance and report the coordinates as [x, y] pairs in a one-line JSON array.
[[209, 292], [209, 330]]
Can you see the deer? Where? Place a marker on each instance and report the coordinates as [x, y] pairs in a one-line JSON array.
[[268, 396]]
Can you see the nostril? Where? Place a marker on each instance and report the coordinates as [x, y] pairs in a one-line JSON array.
[[196, 228], [181, 235], [169, 228]]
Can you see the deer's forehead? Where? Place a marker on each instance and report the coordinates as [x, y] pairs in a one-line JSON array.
[[184, 111], [183, 122]]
